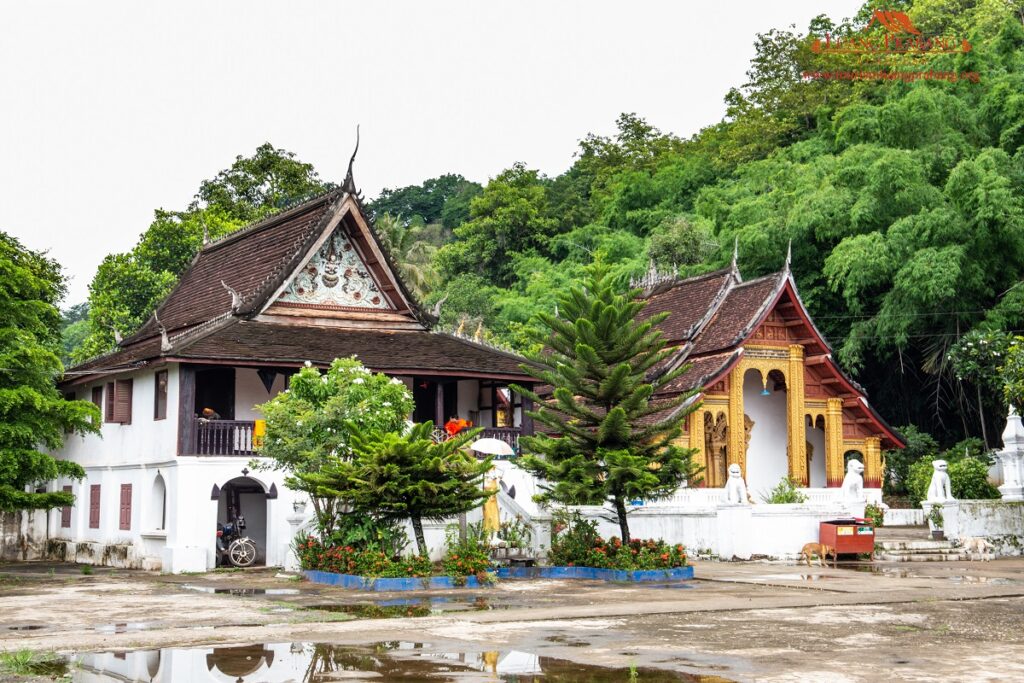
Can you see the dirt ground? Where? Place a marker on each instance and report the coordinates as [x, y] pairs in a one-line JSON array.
[[955, 621]]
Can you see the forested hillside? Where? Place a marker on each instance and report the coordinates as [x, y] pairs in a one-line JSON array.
[[903, 203]]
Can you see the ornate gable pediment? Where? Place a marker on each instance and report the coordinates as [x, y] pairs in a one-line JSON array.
[[336, 277]]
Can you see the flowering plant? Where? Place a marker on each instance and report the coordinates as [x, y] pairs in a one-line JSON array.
[[578, 544], [315, 554]]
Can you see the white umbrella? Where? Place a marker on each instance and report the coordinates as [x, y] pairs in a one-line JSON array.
[[492, 447]]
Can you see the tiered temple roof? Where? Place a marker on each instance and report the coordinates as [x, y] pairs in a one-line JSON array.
[[713, 316], [311, 283]]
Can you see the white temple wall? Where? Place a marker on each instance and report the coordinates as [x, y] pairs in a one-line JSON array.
[[250, 392], [766, 456], [144, 440]]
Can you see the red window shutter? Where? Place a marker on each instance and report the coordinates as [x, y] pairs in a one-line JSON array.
[[65, 513], [160, 396], [94, 506], [126, 506], [108, 403], [122, 401]]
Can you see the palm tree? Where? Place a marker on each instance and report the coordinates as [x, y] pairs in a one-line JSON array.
[[414, 255]]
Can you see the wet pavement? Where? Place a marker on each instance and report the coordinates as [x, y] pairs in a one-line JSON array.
[[739, 622]]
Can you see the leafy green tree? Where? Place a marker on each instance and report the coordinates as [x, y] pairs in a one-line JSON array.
[[1013, 374], [33, 414], [316, 419], [509, 217], [400, 476], [445, 199], [614, 443], [74, 328]]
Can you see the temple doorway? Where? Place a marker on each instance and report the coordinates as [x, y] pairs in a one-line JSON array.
[[815, 434], [246, 497], [765, 405]]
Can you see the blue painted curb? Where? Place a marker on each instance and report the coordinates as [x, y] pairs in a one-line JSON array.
[[369, 583], [639, 575]]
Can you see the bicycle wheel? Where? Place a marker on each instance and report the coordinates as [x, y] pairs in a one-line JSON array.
[[242, 552]]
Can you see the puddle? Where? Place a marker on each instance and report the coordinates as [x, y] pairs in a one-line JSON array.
[[26, 627], [130, 627], [320, 663], [408, 607], [241, 591], [988, 580]]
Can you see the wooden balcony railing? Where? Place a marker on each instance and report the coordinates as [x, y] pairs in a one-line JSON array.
[[223, 437], [235, 437]]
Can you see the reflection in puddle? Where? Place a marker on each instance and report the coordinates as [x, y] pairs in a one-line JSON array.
[[409, 607], [793, 577], [241, 591], [319, 663], [26, 627]]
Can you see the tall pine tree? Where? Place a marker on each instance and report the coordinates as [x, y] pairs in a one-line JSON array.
[[610, 441]]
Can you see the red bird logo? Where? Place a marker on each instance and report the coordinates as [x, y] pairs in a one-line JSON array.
[[894, 22]]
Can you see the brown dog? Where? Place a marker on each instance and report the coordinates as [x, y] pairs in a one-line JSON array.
[[819, 549]]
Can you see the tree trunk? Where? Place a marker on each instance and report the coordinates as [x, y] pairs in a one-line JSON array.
[[417, 527], [981, 417], [620, 511]]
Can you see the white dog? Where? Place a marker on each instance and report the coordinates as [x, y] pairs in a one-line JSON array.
[[972, 545]]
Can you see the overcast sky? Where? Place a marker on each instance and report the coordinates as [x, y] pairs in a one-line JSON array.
[[112, 109]]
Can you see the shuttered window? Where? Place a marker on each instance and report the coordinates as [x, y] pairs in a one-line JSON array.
[[126, 507], [94, 506], [65, 513], [118, 402], [160, 396]]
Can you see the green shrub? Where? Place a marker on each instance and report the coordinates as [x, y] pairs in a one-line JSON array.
[[920, 445], [785, 492], [576, 543], [968, 479], [29, 663], [469, 557], [875, 514]]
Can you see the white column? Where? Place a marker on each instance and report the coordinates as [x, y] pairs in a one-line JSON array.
[[1012, 459]]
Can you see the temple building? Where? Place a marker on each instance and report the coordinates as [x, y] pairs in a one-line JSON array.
[[773, 399], [307, 285]]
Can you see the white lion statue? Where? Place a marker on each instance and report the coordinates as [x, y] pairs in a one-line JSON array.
[[853, 482], [939, 490], [735, 487]]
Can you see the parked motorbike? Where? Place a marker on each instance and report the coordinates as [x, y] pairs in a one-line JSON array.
[[234, 548]]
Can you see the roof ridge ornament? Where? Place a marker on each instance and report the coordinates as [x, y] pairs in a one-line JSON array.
[[236, 298], [789, 255], [349, 184], [165, 343], [651, 278], [734, 266]]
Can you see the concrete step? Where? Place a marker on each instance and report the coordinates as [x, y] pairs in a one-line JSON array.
[[920, 557], [914, 546]]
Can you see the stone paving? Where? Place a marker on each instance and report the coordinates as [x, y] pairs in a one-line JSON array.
[[739, 621]]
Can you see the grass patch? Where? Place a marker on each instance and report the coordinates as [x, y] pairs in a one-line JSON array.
[[30, 663]]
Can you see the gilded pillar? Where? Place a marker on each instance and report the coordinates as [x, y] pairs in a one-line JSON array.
[[872, 462], [797, 446], [834, 442], [697, 439], [737, 448]]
